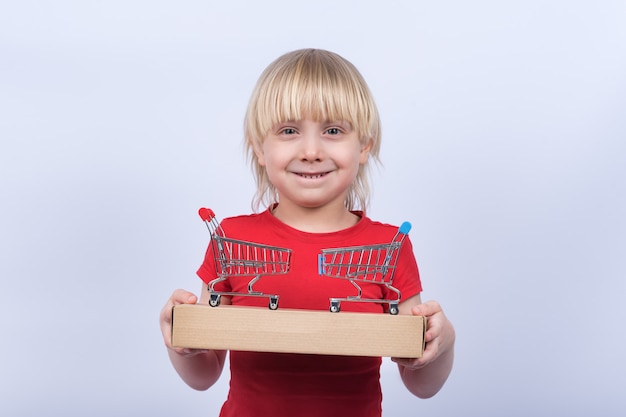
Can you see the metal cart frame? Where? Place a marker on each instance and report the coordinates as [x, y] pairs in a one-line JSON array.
[[241, 258], [369, 263]]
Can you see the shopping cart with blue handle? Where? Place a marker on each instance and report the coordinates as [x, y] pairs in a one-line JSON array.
[[365, 264]]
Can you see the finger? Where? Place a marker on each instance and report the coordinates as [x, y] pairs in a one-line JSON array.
[[165, 321], [410, 363], [429, 354], [190, 352], [427, 309], [166, 312], [167, 338], [433, 330], [181, 296], [178, 297]]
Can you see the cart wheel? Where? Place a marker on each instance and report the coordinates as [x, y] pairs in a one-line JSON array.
[[273, 303], [214, 300], [393, 309], [335, 306]]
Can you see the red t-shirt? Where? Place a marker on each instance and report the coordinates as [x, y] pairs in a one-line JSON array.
[[280, 384]]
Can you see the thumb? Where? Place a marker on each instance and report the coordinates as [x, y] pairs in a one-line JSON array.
[[426, 309], [184, 297]]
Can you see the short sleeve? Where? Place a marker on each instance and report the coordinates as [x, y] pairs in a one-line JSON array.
[[406, 277], [208, 272]]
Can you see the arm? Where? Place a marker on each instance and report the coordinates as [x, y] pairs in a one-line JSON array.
[[199, 368], [425, 376]]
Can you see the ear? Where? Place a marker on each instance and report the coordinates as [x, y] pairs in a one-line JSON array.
[[365, 151], [258, 152]]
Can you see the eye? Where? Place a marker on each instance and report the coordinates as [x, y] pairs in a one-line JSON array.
[[338, 128], [288, 131]]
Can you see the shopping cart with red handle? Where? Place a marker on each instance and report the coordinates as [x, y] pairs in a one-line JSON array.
[[243, 259], [371, 263]]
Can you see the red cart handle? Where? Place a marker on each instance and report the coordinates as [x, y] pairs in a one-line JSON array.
[[206, 214]]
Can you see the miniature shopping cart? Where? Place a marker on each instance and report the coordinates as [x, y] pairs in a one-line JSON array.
[[243, 259], [371, 263]]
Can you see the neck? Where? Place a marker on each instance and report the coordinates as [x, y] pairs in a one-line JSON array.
[[315, 219]]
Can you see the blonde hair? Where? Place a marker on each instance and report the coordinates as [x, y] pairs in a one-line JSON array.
[[320, 85]]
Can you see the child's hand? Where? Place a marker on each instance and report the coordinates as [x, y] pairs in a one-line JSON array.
[[439, 336], [178, 297]]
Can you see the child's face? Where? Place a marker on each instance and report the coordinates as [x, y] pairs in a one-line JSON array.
[[312, 164]]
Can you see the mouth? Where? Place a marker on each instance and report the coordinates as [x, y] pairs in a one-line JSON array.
[[311, 176]]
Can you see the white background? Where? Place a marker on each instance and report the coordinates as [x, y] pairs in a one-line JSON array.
[[504, 146]]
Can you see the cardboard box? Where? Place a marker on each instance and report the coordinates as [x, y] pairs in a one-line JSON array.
[[297, 331]]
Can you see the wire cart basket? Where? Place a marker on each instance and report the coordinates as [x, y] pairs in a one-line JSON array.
[[240, 258], [371, 263]]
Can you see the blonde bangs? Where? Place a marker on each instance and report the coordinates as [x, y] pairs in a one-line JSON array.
[[303, 85]]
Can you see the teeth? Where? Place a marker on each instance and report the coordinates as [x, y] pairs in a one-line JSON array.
[[311, 176]]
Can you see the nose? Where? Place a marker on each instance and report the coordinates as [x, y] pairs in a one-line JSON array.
[[312, 147]]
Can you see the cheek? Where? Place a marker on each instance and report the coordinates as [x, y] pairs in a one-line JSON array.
[[272, 162], [267, 159]]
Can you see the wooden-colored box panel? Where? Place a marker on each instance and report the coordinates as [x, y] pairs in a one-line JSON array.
[[297, 331]]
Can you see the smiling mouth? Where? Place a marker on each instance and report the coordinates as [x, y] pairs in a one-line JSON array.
[[311, 176]]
